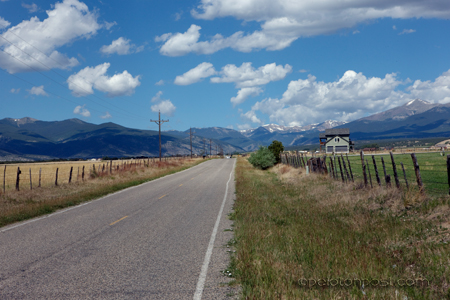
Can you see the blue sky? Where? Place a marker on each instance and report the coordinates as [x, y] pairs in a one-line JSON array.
[[224, 63]]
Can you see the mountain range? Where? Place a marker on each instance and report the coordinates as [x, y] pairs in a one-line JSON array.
[[31, 139]]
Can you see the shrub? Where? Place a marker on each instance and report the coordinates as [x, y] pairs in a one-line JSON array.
[[276, 148], [262, 159]]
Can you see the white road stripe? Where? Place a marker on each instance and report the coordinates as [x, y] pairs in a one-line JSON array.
[[202, 277]]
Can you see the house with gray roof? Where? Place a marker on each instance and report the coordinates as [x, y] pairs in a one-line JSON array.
[[336, 140]]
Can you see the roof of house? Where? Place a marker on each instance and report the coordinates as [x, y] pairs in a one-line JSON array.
[[322, 135], [337, 131]]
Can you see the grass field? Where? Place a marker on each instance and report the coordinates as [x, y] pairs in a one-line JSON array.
[[311, 237], [26, 203], [433, 170]]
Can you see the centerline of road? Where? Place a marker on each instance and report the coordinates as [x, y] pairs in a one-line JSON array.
[[118, 221]]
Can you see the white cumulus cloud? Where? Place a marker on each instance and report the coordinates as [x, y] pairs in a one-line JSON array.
[[83, 82], [67, 21], [4, 23], [247, 76], [244, 93], [38, 91], [165, 106], [437, 91], [284, 21], [107, 115], [121, 46], [407, 31], [194, 75], [81, 110], [31, 7]]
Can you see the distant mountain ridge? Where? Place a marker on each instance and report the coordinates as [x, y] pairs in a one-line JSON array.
[[34, 139]]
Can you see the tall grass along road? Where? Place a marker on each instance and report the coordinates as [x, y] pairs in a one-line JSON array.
[[146, 242], [301, 236]]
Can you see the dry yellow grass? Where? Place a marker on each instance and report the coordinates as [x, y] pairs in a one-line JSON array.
[[48, 172], [26, 203]]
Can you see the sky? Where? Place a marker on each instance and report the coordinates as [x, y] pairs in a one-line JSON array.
[[220, 63]]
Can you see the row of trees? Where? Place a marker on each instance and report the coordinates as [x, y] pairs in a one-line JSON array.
[[266, 157]]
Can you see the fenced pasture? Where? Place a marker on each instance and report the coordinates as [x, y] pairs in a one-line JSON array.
[[429, 171], [28, 176], [100, 178]]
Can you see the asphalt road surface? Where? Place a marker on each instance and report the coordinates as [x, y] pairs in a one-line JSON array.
[[161, 240]]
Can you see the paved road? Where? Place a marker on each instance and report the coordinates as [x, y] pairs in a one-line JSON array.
[[146, 242]]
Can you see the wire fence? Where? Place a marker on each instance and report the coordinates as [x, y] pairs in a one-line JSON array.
[[428, 172], [35, 175]]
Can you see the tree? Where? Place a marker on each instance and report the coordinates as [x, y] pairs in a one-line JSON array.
[[262, 159], [276, 148]]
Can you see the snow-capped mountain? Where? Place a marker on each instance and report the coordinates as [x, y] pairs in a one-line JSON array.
[[291, 129]]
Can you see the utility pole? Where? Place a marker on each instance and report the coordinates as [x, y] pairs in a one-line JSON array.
[[159, 122]]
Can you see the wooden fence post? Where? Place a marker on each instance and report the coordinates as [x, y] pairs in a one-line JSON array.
[[18, 178], [397, 182], [4, 180], [417, 170], [384, 169], [56, 177], [448, 172], [349, 167], [388, 180], [70, 175], [363, 168], [332, 168], [370, 176], [376, 170], [404, 174], [340, 168], [82, 174], [40, 169], [345, 168], [31, 185]]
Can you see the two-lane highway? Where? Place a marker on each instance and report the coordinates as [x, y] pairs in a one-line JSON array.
[[160, 240]]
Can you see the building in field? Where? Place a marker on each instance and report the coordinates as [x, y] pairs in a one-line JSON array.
[[336, 140]]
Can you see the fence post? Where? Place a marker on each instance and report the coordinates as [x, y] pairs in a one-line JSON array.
[[384, 169], [363, 168], [70, 175], [345, 168], [40, 169], [82, 174], [370, 176], [417, 170], [404, 174], [56, 178], [31, 185], [448, 172], [397, 183], [18, 178], [376, 170], [388, 180], [340, 168], [4, 180], [349, 167], [332, 168]]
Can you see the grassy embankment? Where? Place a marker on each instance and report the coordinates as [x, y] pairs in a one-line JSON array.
[[291, 229], [24, 204]]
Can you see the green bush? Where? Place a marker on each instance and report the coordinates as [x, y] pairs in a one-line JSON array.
[[262, 159], [276, 148]]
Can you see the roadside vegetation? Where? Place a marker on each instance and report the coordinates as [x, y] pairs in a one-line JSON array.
[[301, 236], [25, 204]]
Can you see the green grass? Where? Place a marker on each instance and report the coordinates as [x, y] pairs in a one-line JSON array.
[[311, 227], [433, 170]]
